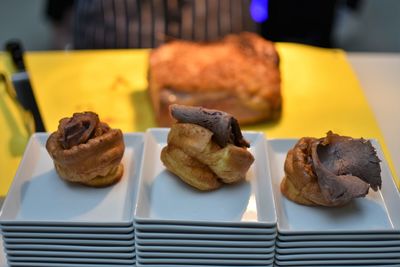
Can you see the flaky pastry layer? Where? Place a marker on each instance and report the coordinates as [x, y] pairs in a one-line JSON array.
[[98, 157], [193, 156]]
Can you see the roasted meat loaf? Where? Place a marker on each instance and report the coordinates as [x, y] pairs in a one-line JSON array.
[[238, 74]]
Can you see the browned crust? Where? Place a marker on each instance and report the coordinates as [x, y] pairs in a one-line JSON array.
[[242, 69], [84, 162], [103, 181], [196, 159], [189, 169], [300, 183]]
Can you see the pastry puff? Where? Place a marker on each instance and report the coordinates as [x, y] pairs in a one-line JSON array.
[[193, 156], [94, 163], [300, 183], [330, 171]]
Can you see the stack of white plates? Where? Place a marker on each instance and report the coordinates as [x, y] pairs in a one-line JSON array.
[[48, 222], [365, 232], [179, 225]]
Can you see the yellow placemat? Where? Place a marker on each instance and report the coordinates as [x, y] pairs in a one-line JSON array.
[[320, 91], [13, 134], [111, 83]]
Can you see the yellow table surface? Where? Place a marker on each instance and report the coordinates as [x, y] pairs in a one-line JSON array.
[[320, 93]]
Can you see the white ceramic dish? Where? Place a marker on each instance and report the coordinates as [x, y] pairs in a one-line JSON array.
[[69, 254], [266, 250], [3, 261], [65, 229], [195, 236], [179, 261], [56, 264], [368, 262], [149, 228], [338, 256], [339, 237], [345, 265], [227, 256], [189, 265], [71, 260], [38, 196], [248, 224], [203, 243], [127, 236], [378, 212], [322, 250], [81, 248], [164, 197], [307, 244], [80, 242]]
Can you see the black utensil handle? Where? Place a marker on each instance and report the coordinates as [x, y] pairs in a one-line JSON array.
[[22, 84], [27, 99], [14, 47]]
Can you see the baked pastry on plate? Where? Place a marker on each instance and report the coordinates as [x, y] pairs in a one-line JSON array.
[[238, 74], [330, 171], [87, 151], [206, 148]]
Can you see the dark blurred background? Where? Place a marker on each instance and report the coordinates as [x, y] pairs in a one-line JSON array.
[[354, 25]]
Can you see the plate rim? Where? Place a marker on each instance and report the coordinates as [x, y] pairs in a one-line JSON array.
[[388, 184], [150, 132]]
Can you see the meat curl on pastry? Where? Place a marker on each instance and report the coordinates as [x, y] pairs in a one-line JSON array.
[[87, 151], [238, 74], [206, 148], [330, 171]]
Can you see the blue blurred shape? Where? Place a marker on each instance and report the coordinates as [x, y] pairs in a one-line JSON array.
[[259, 10]]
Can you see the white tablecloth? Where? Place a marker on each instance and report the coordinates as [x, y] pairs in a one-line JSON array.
[[379, 75]]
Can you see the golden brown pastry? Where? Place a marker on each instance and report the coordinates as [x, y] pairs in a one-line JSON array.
[[206, 148], [330, 171], [238, 74], [87, 151]]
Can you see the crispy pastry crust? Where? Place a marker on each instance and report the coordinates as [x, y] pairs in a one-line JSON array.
[[239, 75], [330, 171], [94, 163], [200, 162], [111, 178], [300, 184]]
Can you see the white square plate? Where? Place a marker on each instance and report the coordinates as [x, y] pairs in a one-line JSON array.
[[362, 243], [70, 254], [367, 262], [378, 212], [126, 236], [266, 250], [322, 250], [80, 248], [70, 260], [138, 264], [204, 255], [199, 243], [345, 265], [164, 197], [57, 264], [339, 237], [80, 241], [201, 236], [338, 256], [65, 229], [38, 196], [210, 261], [169, 228]]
